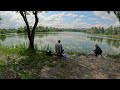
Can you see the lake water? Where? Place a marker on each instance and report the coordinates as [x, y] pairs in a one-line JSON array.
[[71, 41]]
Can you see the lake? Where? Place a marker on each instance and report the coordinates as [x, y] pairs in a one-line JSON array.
[[71, 41]]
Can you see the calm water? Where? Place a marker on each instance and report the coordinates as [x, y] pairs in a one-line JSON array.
[[71, 41]]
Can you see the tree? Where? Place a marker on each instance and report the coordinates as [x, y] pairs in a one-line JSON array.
[[117, 13], [0, 18], [31, 33]]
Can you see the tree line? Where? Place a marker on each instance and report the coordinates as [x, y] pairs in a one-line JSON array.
[[24, 30], [38, 29], [101, 30], [94, 30]]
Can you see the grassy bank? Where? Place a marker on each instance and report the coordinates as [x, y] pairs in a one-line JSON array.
[[114, 56], [18, 62]]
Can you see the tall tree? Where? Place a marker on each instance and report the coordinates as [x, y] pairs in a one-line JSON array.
[[117, 14], [0, 18], [31, 33]]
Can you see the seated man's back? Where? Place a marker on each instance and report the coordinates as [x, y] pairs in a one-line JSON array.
[[58, 48]]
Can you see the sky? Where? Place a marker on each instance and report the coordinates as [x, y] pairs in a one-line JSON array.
[[61, 19]]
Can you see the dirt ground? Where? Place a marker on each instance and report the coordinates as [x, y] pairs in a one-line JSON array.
[[83, 67], [73, 67]]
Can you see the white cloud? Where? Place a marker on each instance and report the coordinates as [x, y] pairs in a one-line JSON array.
[[52, 20], [10, 19], [72, 15], [96, 21], [55, 17], [104, 15], [77, 20], [92, 19], [15, 20], [82, 16]]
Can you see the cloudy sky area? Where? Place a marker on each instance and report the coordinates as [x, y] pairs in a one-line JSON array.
[[61, 19]]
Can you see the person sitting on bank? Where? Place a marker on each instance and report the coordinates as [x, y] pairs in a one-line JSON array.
[[58, 48], [97, 51]]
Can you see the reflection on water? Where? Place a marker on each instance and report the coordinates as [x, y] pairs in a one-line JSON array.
[[96, 39], [2, 37], [71, 41], [110, 42]]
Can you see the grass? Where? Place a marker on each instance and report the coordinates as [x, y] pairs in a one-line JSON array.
[[76, 53], [115, 36], [34, 61], [19, 62], [115, 56]]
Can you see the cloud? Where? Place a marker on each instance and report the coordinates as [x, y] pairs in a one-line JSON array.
[[71, 15], [77, 20], [55, 17], [82, 16], [92, 19], [97, 22], [59, 20], [105, 16], [52, 20], [14, 20], [10, 19]]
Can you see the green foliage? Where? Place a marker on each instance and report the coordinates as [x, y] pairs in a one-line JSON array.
[[47, 29], [2, 62], [3, 31], [115, 56], [2, 37], [117, 13], [113, 31], [28, 67]]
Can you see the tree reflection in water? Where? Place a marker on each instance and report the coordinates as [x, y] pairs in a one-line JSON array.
[[110, 42], [2, 37]]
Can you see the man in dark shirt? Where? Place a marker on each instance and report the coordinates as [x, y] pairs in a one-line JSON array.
[[97, 51]]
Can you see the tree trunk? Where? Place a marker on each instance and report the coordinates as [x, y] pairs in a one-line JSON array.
[[31, 34], [31, 42]]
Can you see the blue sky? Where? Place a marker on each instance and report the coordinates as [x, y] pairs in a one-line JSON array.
[[61, 19]]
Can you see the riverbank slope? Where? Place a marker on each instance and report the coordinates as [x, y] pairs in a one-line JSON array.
[[18, 63]]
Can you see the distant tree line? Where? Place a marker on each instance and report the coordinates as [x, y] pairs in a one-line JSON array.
[[47, 29], [38, 29], [5, 31], [94, 30], [101, 30]]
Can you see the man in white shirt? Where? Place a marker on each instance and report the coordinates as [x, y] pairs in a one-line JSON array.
[[58, 48]]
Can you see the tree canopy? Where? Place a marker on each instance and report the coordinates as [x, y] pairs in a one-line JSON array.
[[117, 13]]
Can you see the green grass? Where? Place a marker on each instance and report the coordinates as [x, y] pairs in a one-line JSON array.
[[2, 62], [27, 64], [116, 37], [115, 56], [32, 61]]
